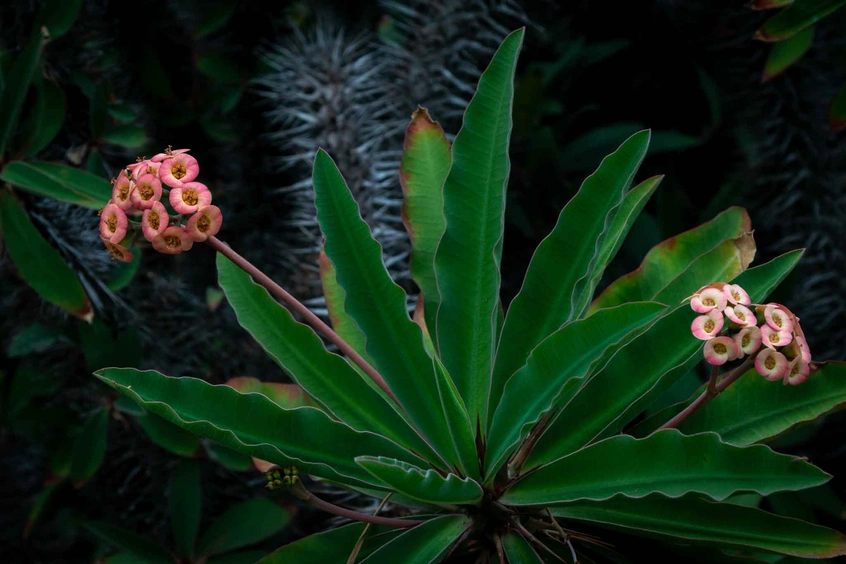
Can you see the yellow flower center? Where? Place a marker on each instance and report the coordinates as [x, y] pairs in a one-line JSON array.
[[744, 342], [172, 241], [795, 370], [740, 315], [720, 348], [709, 326], [774, 338], [146, 191], [770, 363], [777, 320], [111, 222], [736, 295], [204, 223], [178, 171], [123, 192], [708, 302], [190, 197], [153, 220]]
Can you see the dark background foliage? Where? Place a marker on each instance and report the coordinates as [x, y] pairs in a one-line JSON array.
[[254, 88]]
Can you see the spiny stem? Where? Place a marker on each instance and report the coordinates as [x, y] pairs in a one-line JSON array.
[[300, 491], [303, 311], [713, 390]]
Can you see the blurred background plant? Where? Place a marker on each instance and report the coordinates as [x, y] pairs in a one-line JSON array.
[[254, 90]]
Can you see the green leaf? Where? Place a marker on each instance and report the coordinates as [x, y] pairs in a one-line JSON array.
[[518, 550], [752, 409], [129, 136], [247, 523], [723, 262], [30, 179], [666, 462], [186, 499], [89, 448], [254, 425], [560, 361], [91, 186], [640, 371], [169, 436], [342, 323], [428, 486], [58, 16], [300, 352], [468, 257], [51, 112], [664, 262], [329, 546], [213, 17], [228, 458], [562, 273], [797, 17], [426, 160], [38, 263], [458, 422], [787, 52], [122, 113], [42, 502], [36, 338], [377, 304], [16, 87], [837, 115], [422, 544], [124, 272], [707, 523], [138, 546], [283, 395]]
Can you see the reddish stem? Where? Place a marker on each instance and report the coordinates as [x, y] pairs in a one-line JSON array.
[[713, 390], [303, 311], [302, 493]]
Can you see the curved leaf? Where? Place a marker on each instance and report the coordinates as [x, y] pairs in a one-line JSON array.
[[428, 486], [468, 256], [426, 160], [561, 275], [518, 550], [666, 462], [342, 323], [639, 372], [708, 523], [228, 458], [38, 263], [82, 182], [254, 425], [185, 503], [329, 546], [128, 135], [299, 351], [283, 395], [563, 359], [786, 53], [458, 422], [797, 17], [31, 179], [16, 85], [752, 409], [58, 16], [377, 304], [664, 262], [423, 544], [244, 524]]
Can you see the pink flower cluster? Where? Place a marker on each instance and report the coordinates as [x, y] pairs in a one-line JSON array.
[[138, 190], [785, 355]]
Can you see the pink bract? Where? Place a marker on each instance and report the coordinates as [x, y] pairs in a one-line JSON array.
[[707, 300], [118, 252], [771, 364], [179, 170], [121, 191], [148, 190], [720, 350], [205, 223], [749, 339], [773, 338], [741, 315], [777, 318], [707, 326], [797, 372], [190, 197], [113, 223], [173, 240], [154, 221], [736, 295]]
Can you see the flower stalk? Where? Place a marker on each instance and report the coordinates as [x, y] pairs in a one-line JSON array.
[[299, 490]]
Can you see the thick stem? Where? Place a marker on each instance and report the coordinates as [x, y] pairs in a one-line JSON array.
[[299, 490], [301, 310], [713, 390]]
